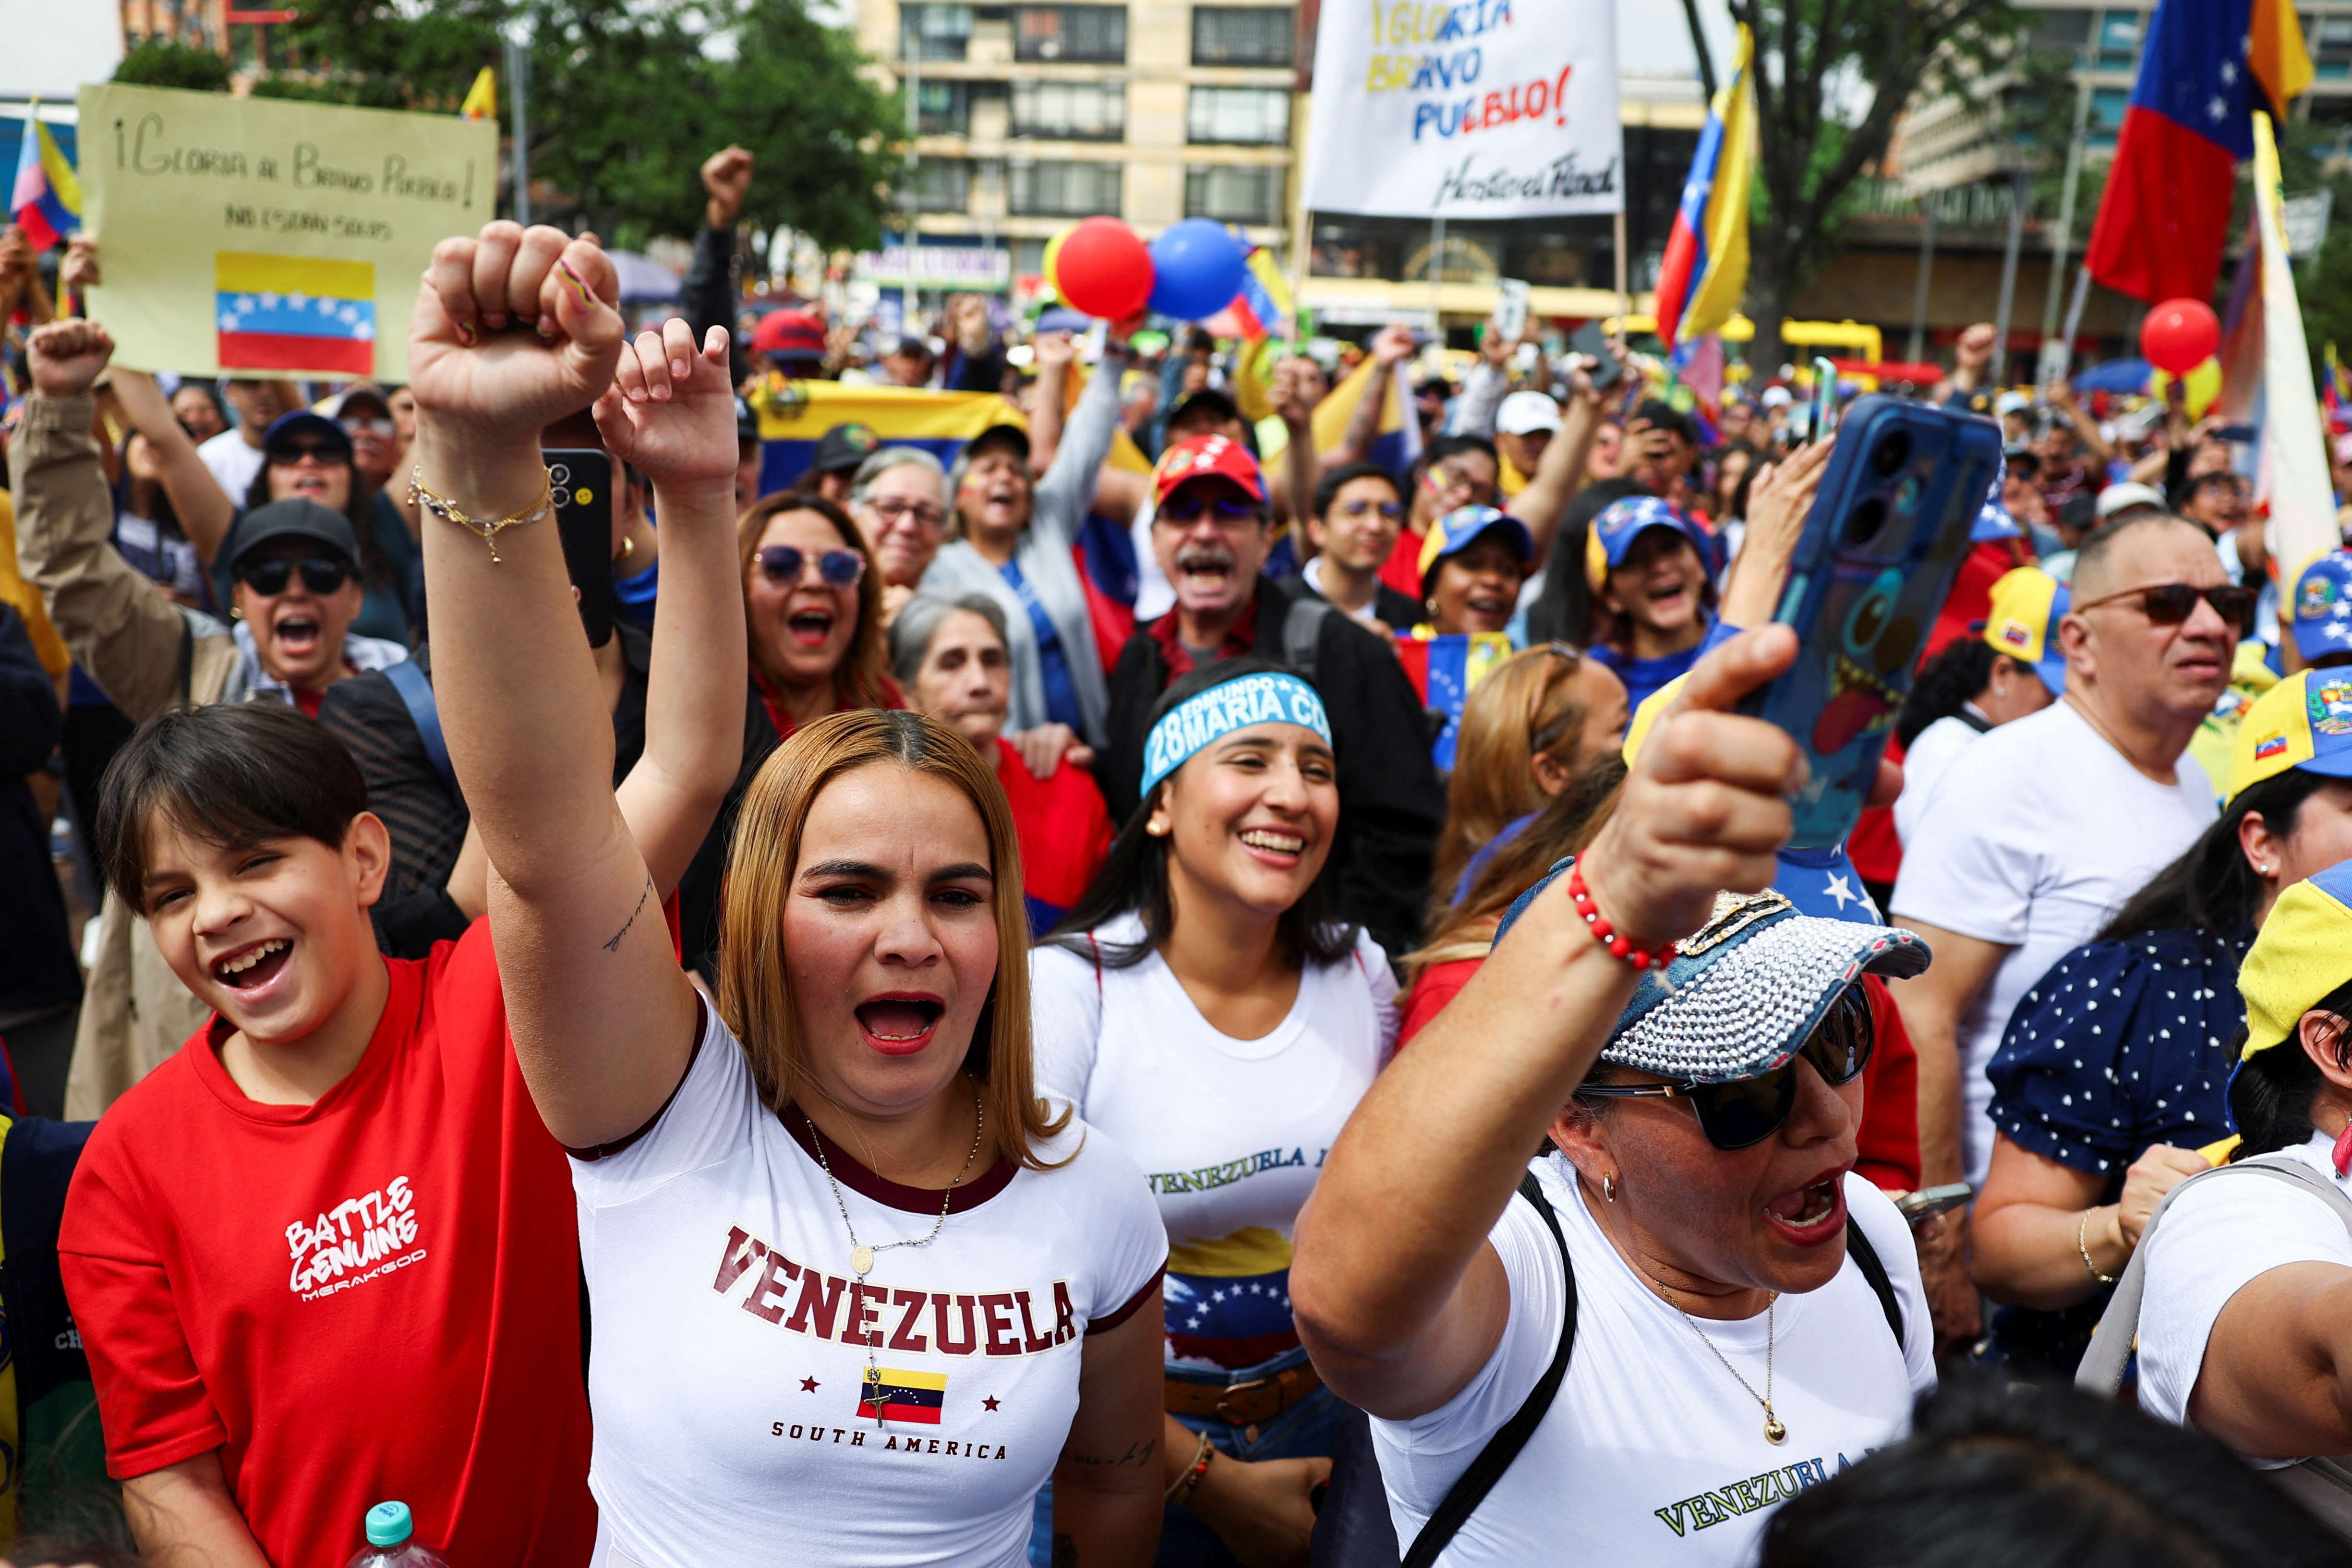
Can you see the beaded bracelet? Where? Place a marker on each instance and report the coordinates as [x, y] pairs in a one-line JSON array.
[[442, 507], [1191, 1478], [2083, 1247], [1615, 942]]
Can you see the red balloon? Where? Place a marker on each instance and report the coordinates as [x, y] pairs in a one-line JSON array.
[[1104, 269], [2178, 335]]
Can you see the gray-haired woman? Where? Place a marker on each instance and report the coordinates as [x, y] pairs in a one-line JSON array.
[[900, 497]]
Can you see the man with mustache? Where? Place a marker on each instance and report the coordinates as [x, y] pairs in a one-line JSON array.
[[1209, 534]]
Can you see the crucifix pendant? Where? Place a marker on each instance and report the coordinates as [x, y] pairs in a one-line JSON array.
[[861, 1258]]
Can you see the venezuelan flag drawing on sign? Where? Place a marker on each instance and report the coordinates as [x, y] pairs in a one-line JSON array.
[[1705, 268], [294, 313], [889, 1394], [1444, 669], [44, 201]]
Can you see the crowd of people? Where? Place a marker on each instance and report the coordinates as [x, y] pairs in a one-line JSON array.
[[811, 1012]]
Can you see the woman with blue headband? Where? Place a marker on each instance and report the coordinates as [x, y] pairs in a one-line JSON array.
[[1201, 1006]]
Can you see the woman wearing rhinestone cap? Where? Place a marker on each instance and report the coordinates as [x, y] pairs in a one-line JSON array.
[[1692, 1309]]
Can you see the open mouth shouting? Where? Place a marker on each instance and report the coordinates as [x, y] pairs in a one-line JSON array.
[[810, 624], [1204, 567], [899, 1023], [1493, 605], [253, 966], [1812, 1213], [296, 634]]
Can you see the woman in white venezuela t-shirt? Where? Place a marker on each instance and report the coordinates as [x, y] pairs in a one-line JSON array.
[[1200, 1006], [858, 1294], [1747, 1318]]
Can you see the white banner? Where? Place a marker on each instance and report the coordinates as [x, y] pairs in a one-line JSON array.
[[1476, 109]]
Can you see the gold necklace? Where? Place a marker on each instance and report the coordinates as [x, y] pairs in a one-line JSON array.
[[1775, 1430]]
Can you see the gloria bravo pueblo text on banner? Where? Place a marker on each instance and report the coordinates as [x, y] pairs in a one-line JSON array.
[[1479, 109]]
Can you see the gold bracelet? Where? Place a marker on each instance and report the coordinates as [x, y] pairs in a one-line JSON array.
[[2083, 1247], [442, 507]]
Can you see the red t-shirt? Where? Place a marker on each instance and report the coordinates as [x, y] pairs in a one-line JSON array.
[[1065, 831], [1433, 988], [1402, 570], [375, 1297]]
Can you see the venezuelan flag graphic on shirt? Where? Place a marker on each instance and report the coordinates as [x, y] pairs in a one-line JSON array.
[[888, 1393], [294, 313], [1444, 668], [45, 200], [1227, 1301]]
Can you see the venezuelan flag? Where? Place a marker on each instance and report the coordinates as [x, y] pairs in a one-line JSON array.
[[482, 98], [1705, 268], [295, 312], [1444, 668], [889, 1394], [1263, 304], [1397, 444], [46, 200]]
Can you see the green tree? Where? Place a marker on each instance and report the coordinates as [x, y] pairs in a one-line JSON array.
[[1817, 60], [159, 62]]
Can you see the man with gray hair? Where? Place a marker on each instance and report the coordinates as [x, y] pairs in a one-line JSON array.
[[899, 500], [2033, 836]]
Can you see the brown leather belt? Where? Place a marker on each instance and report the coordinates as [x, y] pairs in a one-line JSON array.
[[1243, 1403]]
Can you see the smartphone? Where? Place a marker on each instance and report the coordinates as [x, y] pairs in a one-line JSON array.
[[1881, 547], [582, 481], [1511, 307], [1823, 422], [1917, 1206], [1591, 342]]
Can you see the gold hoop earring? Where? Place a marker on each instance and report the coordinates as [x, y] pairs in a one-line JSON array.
[[1609, 1187]]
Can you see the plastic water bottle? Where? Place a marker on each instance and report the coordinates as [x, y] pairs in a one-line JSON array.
[[389, 1546]]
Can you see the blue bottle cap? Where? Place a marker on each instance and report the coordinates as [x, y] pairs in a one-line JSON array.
[[388, 1524]]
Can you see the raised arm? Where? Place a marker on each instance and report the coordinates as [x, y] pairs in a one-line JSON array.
[[1778, 503], [1397, 1294], [513, 331], [1054, 352], [1390, 347], [1067, 488], [205, 510], [1302, 471], [685, 444], [1543, 501]]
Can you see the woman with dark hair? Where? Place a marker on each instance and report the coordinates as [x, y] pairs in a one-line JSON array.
[[198, 406], [2116, 1069], [1653, 600], [147, 531], [1201, 1006]]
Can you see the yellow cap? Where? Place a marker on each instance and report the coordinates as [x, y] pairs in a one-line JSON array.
[[2303, 954], [2304, 721], [2027, 605]]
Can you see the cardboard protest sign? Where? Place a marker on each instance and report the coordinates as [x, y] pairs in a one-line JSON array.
[[269, 236], [1468, 108]]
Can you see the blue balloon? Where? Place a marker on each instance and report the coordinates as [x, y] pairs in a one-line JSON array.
[[1197, 268]]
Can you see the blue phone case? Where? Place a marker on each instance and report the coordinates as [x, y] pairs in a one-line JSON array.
[[1881, 548]]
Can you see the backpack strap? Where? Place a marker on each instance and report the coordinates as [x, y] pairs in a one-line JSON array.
[[2103, 1367], [1302, 625], [1866, 1258], [416, 695], [1463, 1497]]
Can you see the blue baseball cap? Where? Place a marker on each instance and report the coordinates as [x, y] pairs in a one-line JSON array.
[[1745, 990], [1623, 521], [2323, 607], [1458, 528]]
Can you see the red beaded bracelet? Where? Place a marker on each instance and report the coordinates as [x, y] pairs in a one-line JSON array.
[[1617, 944]]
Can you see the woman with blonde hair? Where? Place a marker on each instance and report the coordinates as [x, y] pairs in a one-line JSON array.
[[853, 1286], [1526, 730]]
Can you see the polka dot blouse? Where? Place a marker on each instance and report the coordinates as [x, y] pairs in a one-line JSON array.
[[2123, 1044]]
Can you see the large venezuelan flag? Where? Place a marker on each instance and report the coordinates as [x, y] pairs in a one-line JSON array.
[[294, 313], [2166, 211], [1705, 268], [45, 200]]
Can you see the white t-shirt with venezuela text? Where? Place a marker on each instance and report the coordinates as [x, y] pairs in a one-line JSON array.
[[1231, 1133], [1651, 1453], [731, 1338]]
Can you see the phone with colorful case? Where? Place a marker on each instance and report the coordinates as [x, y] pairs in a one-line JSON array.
[[1881, 548]]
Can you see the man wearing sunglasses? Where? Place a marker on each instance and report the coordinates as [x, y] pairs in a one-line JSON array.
[[1209, 534], [2041, 828]]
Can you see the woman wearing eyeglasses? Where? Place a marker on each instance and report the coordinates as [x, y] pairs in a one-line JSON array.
[[900, 497], [1748, 1314], [813, 610], [1201, 1006], [1359, 512]]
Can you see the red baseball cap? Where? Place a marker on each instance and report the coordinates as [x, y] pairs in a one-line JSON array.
[[793, 335], [1205, 456]]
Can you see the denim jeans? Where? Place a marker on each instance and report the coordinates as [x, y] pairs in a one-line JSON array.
[[1305, 1431]]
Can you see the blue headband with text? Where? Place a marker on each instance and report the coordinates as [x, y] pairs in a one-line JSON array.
[[1212, 715]]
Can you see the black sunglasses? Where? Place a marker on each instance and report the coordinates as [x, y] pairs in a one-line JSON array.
[[784, 563], [1186, 510], [287, 453], [1747, 1110], [269, 575], [2169, 603]]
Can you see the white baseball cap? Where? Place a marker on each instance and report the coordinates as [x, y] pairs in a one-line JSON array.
[[2012, 403], [2119, 498], [1776, 398], [1525, 413]]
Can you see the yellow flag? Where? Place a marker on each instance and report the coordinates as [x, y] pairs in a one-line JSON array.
[[482, 100], [1716, 299]]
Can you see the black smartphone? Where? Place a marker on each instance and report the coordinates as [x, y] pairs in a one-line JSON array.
[[582, 481], [1882, 545], [1591, 342]]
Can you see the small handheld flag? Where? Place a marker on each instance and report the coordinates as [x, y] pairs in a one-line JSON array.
[[482, 98], [45, 199]]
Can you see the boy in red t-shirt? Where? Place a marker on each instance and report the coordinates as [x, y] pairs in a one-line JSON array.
[[326, 1256]]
